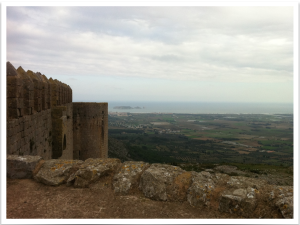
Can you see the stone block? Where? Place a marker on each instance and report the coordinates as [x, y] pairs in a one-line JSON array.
[[18, 143], [15, 103], [12, 113], [26, 125], [14, 91], [23, 141], [12, 147], [19, 167], [10, 132]]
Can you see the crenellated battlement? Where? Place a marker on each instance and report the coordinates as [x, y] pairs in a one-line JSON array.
[[40, 118], [29, 93]]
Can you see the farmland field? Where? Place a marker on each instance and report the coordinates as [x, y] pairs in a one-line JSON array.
[[205, 138]]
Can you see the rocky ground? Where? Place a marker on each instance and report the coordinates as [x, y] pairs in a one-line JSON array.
[[107, 188], [28, 199]]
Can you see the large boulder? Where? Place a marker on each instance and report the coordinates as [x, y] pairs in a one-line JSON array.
[[241, 201], [201, 189], [240, 195], [165, 182], [282, 197], [128, 176], [57, 171], [91, 170], [20, 167]]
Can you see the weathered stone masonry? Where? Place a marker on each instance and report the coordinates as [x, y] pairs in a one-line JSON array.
[[90, 129], [41, 119]]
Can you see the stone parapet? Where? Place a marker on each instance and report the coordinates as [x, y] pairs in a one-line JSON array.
[[32, 92], [245, 197]]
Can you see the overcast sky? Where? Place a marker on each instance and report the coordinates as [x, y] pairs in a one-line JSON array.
[[217, 54]]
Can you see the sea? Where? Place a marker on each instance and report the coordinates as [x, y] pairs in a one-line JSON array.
[[201, 107]]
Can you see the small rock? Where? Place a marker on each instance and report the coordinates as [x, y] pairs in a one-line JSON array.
[[21, 167]]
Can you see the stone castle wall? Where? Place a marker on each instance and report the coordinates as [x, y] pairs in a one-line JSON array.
[[30, 135], [40, 118]]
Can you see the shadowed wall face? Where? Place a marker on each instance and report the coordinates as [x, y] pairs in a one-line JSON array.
[[90, 124], [62, 132], [32, 122]]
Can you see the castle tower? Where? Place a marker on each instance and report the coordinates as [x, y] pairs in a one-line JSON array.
[[90, 125]]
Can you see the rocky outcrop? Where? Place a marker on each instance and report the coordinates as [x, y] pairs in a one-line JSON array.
[[20, 167], [128, 176], [245, 182], [240, 201], [201, 189], [57, 171], [91, 170], [165, 182], [282, 197], [238, 195]]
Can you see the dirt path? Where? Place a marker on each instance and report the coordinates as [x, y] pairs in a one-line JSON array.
[[29, 199]]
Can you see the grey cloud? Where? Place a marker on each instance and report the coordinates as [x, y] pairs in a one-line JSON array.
[[168, 58], [161, 42]]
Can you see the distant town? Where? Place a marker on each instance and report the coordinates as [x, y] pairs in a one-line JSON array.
[[130, 123], [128, 107]]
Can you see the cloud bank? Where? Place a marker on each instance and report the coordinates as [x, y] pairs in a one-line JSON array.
[[238, 45]]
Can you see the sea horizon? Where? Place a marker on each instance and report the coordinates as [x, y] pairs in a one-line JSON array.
[[201, 107]]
